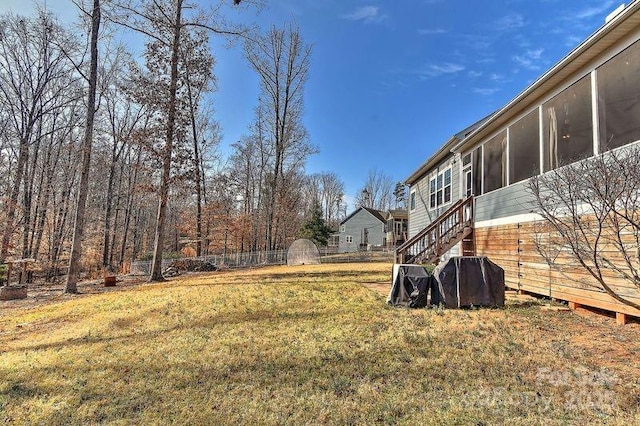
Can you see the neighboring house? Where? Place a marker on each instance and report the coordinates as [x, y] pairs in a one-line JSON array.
[[397, 227], [333, 243], [362, 230], [586, 104]]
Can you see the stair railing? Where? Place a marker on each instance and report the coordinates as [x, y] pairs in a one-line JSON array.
[[440, 235]]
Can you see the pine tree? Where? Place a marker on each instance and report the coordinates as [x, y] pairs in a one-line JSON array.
[[315, 229]]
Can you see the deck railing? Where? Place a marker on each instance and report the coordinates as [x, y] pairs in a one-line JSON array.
[[439, 236]]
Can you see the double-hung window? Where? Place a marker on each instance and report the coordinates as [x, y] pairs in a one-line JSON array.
[[440, 189]]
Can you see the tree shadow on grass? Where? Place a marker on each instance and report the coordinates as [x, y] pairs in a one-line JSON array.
[[211, 322]]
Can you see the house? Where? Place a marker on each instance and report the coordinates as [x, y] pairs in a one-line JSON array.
[[396, 227], [471, 195], [333, 243], [363, 230]]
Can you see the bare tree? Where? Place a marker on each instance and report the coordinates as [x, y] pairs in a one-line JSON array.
[[123, 119], [78, 228], [591, 212], [249, 161], [377, 192], [327, 190], [281, 60], [34, 86]]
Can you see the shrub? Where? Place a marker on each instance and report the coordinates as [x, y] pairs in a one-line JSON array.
[[429, 267]]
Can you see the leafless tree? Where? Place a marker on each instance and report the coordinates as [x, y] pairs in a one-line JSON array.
[[250, 162], [281, 60], [377, 192], [83, 191], [327, 190], [591, 212], [35, 86], [123, 118]]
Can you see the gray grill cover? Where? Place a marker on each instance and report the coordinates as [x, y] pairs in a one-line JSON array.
[[468, 280], [410, 286]]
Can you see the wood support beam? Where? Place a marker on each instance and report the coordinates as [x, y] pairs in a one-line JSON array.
[[621, 319]]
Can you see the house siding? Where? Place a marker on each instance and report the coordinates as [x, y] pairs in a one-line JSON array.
[[355, 227], [505, 202], [504, 223], [422, 216]]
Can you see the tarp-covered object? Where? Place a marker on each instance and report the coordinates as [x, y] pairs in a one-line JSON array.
[[303, 252], [466, 281], [410, 286]]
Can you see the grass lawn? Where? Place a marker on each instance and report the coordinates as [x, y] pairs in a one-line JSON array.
[[308, 345]]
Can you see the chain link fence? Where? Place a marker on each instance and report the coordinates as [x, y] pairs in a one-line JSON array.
[[265, 258]]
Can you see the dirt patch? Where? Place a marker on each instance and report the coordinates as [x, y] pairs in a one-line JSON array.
[[42, 293]]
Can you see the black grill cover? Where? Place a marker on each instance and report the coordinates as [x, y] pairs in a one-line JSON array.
[[410, 287], [468, 280]]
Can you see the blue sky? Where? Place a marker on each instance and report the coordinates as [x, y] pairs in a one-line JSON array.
[[391, 80]]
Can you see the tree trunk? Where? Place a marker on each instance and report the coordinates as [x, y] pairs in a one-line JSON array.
[[156, 267], [107, 209], [131, 183], [56, 241], [13, 198], [78, 229], [196, 167]]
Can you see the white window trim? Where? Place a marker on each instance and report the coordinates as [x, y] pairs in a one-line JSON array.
[[592, 72], [435, 178], [348, 239], [343, 228], [412, 194], [461, 173]]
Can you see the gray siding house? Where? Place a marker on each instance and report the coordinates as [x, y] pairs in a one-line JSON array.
[[362, 230], [438, 183], [586, 105]]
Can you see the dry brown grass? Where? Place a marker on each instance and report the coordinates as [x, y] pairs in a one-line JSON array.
[[301, 345]]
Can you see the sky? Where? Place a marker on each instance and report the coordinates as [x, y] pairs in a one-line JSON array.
[[392, 80]]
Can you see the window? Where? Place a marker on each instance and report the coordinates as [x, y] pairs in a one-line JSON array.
[[440, 189], [398, 228], [568, 125], [432, 193], [494, 162], [476, 167], [468, 182], [349, 239], [619, 99], [524, 147], [343, 228], [412, 201]]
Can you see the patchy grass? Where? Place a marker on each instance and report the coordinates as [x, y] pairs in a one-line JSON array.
[[300, 345]]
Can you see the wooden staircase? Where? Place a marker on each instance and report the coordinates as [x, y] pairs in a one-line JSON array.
[[450, 228]]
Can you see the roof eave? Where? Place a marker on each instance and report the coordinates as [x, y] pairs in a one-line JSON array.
[[439, 155], [563, 69]]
